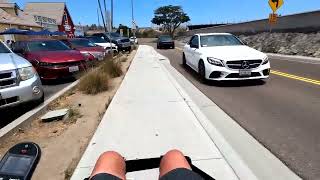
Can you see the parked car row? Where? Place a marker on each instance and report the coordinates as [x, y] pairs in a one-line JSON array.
[[29, 61]]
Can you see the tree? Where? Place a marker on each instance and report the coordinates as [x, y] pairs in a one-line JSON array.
[[170, 17]]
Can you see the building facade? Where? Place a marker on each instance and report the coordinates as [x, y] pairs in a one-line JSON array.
[[57, 11]]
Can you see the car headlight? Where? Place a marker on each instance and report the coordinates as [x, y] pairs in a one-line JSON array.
[[265, 60], [87, 55], [26, 73], [214, 61]]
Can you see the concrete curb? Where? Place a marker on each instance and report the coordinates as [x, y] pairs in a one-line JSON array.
[[24, 119], [248, 158]]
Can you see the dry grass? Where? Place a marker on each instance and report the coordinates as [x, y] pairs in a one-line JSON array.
[[112, 68], [73, 115], [94, 82]]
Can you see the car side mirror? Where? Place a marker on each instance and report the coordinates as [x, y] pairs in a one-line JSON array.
[[194, 46]]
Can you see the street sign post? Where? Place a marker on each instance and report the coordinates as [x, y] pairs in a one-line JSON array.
[[273, 18], [275, 4]]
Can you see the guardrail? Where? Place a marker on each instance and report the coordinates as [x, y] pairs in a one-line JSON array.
[[303, 22]]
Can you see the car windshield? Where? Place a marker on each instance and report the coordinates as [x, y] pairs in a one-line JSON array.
[[97, 39], [115, 35], [4, 49], [47, 46], [219, 40], [165, 38], [82, 43]]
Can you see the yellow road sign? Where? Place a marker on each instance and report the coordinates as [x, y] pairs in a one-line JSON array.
[[273, 18], [275, 4]]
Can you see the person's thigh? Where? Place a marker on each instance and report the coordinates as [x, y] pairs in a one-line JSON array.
[[181, 174]]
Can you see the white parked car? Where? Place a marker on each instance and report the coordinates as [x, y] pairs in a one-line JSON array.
[[103, 43], [222, 56]]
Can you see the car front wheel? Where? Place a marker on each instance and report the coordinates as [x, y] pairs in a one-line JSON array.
[[184, 60], [202, 72]]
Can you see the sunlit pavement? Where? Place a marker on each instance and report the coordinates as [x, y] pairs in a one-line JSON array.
[[281, 114]]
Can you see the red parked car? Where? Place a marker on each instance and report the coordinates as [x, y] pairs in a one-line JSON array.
[[51, 58], [86, 47]]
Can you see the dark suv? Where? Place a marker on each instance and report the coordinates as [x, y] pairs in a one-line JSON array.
[[123, 43]]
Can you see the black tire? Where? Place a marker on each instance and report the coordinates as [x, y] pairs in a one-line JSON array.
[[184, 61], [173, 47], [202, 72]]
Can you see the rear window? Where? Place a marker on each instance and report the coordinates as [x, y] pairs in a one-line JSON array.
[[47, 46], [165, 38], [4, 49], [97, 39], [82, 43]]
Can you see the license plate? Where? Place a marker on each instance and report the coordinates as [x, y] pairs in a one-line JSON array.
[[73, 68], [244, 73]]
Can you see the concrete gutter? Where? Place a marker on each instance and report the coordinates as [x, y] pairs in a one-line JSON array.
[[29, 116], [248, 158]]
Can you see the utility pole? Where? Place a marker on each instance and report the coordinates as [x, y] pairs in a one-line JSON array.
[[133, 23], [111, 15], [105, 12], [104, 23]]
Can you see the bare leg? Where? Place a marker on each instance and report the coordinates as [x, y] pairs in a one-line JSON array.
[[111, 163], [174, 159]]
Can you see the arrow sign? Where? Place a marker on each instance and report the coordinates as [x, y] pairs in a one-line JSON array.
[[275, 4]]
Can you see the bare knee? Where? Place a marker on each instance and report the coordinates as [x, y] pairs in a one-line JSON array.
[[110, 162], [172, 160]]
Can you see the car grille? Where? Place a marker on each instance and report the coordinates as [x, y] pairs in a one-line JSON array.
[[239, 64], [125, 40], [236, 75], [65, 64], [9, 100], [8, 79]]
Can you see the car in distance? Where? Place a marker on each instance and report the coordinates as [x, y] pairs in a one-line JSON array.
[[86, 47], [134, 40], [165, 41], [123, 43], [19, 82], [100, 41], [51, 58], [222, 56]]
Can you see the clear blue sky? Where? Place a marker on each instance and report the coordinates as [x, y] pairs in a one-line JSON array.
[[200, 11]]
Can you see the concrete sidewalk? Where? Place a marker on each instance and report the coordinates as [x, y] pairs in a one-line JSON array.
[[149, 116]]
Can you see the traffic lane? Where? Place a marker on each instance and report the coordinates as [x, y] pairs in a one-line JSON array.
[[281, 114], [298, 68], [49, 88]]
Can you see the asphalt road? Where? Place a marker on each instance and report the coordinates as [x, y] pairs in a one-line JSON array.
[[50, 88], [282, 114]]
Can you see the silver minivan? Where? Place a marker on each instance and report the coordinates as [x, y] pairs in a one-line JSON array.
[[19, 82]]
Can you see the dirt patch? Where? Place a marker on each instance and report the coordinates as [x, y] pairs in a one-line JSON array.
[[63, 142]]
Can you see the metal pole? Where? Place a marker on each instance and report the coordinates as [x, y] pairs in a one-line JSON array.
[[105, 12], [133, 23], [111, 15], [104, 24]]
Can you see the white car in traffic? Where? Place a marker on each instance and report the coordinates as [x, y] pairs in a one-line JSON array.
[[103, 43], [222, 56]]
